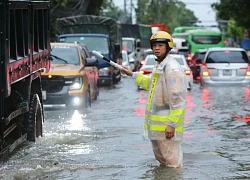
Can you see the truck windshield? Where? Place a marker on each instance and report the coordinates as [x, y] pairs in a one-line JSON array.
[[99, 44], [127, 45], [64, 55]]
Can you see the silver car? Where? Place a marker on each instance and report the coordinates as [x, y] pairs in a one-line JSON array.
[[225, 66], [189, 75]]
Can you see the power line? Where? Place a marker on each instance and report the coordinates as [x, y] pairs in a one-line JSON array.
[[192, 2], [187, 3], [196, 3]]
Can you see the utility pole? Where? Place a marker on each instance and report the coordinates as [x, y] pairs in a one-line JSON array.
[[131, 9], [125, 7]]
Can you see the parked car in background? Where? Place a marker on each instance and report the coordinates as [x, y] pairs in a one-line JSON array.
[[197, 60], [144, 55], [173, 51], [185, 52], [72, 77], [189, 75], [125, 61], [148, 65], [225, 66], [150, 52]]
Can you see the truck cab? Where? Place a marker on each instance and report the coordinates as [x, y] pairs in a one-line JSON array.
[[102, 34], [100, 43], [69, 82], [132, 46]]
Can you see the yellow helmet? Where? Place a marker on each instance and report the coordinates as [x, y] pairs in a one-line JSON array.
[[162, 36]]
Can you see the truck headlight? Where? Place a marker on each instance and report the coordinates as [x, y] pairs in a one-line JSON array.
[[76, 84], [104, 71]]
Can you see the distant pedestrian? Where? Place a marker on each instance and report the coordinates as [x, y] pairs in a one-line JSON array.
[[165, 108]]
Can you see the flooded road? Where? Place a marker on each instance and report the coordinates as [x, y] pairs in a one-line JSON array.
[[105, 141]]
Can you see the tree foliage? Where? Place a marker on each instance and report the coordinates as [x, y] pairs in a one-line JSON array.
[[172, 13], [168, 12], [110, 10], [237, 10]]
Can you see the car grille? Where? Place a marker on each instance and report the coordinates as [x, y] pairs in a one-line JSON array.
[[53, 84]]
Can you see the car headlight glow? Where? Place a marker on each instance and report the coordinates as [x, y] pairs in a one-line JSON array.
[[104, 72], [76, 84], [76, 100]]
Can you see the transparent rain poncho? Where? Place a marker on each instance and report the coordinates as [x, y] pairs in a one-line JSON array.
[[165, 106]]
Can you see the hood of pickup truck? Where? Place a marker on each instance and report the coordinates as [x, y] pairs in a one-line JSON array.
[[65, 69]]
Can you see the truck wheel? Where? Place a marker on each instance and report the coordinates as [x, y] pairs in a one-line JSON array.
[[35, 119]]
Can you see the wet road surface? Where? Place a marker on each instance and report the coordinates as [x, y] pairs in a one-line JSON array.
[[105, 141]]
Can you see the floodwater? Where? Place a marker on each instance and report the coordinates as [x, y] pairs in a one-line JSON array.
[[105, 142]]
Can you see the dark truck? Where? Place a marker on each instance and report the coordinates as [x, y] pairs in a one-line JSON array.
[[135, 39], [25, 53], [102, 34]]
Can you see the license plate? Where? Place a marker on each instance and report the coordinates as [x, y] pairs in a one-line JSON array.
[[44, 95], [227, 72]]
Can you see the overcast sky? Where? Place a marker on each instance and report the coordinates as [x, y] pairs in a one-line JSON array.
[[201, 8]]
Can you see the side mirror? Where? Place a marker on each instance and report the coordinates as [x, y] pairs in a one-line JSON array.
[[91, 62], [117, 48], [138, 44]]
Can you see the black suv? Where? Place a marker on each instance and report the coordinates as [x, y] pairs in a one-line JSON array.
[[197, 60]]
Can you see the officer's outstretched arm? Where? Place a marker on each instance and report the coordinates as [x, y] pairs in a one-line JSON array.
[[142, 80]]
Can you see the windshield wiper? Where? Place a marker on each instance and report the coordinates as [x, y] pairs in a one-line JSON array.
[[59, 58]]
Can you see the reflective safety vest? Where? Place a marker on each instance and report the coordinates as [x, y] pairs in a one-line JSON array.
[[166, 99]]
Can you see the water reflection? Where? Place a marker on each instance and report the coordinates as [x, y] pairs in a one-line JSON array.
[[163, 173], [243, 114], [78, 122], [205, 94], [142, 99]]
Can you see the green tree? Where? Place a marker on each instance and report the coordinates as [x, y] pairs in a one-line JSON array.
[[236, 9], [168, 12], [234, 30], [110, 10]]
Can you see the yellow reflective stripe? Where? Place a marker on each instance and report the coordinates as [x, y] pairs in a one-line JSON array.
[[138, 79], [164, 118], [145, 82], [176, 119], [173, 118], [154, 127], [177, 111], [179, 129], [181, 121], [161, 128], [158, 118], [150, 96]]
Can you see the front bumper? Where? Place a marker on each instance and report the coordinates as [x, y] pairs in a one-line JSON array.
[[62, 98], [206, 81], [104, 80]]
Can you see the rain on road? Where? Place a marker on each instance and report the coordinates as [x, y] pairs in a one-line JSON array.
[[105, 141]]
